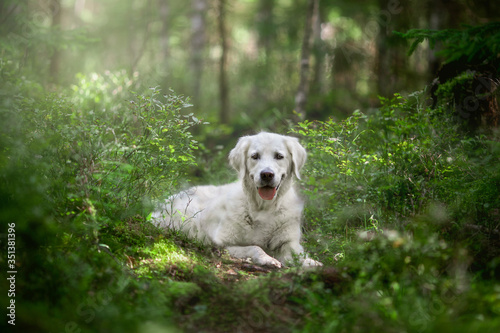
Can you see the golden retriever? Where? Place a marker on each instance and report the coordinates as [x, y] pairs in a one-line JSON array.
[[257, 217]]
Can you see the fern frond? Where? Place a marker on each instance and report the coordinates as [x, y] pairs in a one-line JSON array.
[[478, 44]]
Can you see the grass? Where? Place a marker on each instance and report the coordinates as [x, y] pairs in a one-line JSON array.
[[401, 207]]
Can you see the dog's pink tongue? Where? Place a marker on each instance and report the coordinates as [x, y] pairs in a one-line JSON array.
[[267, 192]]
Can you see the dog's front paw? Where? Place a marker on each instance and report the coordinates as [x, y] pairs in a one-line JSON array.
[[308, 262], [268, 261]]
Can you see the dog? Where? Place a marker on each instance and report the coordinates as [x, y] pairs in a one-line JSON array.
[[257, 217]]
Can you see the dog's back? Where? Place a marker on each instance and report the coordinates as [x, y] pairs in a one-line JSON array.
[[198, 211]]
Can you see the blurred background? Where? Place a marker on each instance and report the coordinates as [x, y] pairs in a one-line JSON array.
[[245, 64], [107, 106]]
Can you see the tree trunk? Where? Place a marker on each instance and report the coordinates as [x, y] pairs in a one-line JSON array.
[[55, 59], [223, 85], [318, 52], [301, 96], [383, 69], [199, 7], [138, 44], [265, 27], [164, 13]]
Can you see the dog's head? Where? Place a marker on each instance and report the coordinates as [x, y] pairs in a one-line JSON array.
[[267, 160]]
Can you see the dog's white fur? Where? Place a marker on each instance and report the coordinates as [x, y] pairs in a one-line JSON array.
[[235, 216]]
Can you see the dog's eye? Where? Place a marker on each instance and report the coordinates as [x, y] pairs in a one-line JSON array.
[[278, 156], [255, 156]]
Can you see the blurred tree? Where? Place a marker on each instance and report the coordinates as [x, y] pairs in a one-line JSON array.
[[198, 39], [302, 90], [140, 32], [390, 59], [8, 11], [319, 54], [224, 114], [164, 12], [347, 52], [266, 28], [55, 59]]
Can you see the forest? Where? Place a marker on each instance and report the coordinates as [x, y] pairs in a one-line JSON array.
[[107, 107]]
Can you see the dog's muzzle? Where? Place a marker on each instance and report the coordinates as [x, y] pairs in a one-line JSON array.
[[268, 190]]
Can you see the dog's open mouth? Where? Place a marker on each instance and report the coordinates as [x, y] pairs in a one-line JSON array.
[[268, 192]]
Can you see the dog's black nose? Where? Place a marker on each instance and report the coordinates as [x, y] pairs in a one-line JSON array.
[[266, 175]]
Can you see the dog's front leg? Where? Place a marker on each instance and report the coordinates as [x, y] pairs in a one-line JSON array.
[[293, 248], [308, 262], [257, 254]]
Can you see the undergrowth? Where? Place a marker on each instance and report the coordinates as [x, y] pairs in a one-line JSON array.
[[402, 208]]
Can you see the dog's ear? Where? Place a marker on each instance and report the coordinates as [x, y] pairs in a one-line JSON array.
[[238, 154], [298, 153]]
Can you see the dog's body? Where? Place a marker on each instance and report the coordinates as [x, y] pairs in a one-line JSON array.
[[257, 217]]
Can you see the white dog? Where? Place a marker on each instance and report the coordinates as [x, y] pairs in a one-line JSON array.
[[257, 217]]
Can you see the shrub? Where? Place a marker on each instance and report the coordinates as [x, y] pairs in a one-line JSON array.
[[468, 79], [109, 161], [76, 180], [383, 169]]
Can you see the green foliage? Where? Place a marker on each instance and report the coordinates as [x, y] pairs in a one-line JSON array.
[[447, 89], [77, 174], [115, 157], [393, 197], [391, 165], [467, 82], [371, 290], [401, 207], [475, 44], [110, 91]]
